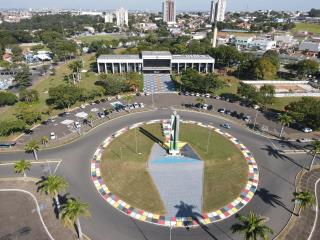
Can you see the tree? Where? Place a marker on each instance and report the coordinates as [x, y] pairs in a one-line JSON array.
[[71, 212], [315, 151], [273, 56], [247, 91], [64, 96], [76, 67], [9, 127], [266, 94], [16, 53], [21, 167], [52, 185], [44, 140], [304, 199], [265, 69], [26, 95], [22, 78], [32, 147], [307, 66], [285, 120], [127, 98], [28, 115], [7, 98], [252, 226]]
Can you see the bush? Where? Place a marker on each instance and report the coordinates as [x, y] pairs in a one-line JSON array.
[[7, 98]]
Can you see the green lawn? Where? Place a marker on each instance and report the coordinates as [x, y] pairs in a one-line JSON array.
[[231, 85], [90, 39], [310, 27], [125, 172], [48, 81]]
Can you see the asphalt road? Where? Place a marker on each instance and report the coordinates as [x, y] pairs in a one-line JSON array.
[[273, 198]]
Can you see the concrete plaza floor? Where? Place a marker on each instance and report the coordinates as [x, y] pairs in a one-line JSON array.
[[158, 83]]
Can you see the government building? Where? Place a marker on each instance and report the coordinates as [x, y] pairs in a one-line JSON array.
[[154, 62]]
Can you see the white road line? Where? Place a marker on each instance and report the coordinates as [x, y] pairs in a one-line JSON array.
[[38, 208], [32, 162], [317, 210], [55, 170]]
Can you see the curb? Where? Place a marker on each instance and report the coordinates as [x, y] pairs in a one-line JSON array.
[[223, 213]]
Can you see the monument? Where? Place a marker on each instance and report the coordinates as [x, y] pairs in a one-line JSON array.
[[174, 149]]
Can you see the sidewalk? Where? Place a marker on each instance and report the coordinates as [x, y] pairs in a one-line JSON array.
[[299, 228]]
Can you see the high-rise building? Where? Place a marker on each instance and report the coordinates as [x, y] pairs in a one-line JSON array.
[[108, 18], [220, 10], [122, 17], [169, 11]]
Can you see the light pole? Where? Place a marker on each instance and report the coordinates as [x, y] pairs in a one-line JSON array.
[[171, 227]]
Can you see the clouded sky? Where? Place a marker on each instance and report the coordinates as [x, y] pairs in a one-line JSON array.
[[156, 4]]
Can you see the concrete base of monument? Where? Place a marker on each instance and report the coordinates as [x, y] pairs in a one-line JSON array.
[[179, 180]]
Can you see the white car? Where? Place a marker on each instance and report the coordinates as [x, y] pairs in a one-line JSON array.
[[141, 105], [136, 105], [304, 140], [256, 107], [197, 94], [207, 95], [83, 106], [147, 94], [53, 136], [77, 125], [307, 130], [221, 110], [205, 107]]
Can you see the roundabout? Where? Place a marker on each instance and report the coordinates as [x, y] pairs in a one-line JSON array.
[[188, 217], [276, 182]]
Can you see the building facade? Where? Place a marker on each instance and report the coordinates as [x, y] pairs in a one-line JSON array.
[[220, 10], [108, 18], [154, 62], [122, 17], [169, 11]]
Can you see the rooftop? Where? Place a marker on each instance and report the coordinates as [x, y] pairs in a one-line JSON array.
[[156, 53], [193, 57], [105, 57]]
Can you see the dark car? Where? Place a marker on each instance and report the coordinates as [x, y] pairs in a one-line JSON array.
[[234, 114]]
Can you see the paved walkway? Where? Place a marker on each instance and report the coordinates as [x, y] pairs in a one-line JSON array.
[[179, 181], [302, 226], [158, 83]]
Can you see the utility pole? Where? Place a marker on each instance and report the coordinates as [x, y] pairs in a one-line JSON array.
[[215, 29]]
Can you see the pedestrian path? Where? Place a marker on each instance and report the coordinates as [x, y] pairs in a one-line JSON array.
[[158, 83], [179, 181]]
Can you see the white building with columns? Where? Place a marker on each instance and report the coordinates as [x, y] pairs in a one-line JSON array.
[[154, 62]]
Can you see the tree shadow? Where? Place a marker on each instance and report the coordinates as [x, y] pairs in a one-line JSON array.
[[139, 229], [271, 199], [185, 211], [276, 154]]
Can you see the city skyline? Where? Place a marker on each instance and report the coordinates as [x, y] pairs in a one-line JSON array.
[[203, 5]]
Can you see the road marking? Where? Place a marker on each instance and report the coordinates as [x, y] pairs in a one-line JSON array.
[[317, 210], [55, 170], [32, 162], [38, 208]]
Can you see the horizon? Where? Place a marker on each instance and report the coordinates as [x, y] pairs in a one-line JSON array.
[[201, 5]]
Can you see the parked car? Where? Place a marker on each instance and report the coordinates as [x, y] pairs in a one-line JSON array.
[[77, 125], [53, 136], [304, 140], [147, 94], [101, 115], [64, 114], [234, 114], [307, 130], [197, 94], [228, 112], [141, 105], [226, 125], [83, 106], [247, 119], [221, 110], [205, 107], [136, 105], [207, 95]]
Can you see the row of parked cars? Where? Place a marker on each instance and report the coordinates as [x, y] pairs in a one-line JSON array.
[[240, 116]]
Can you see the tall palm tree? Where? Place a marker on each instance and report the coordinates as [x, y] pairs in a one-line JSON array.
[[315, 150], [201, 101], [252, 226], [128, 98], [21, 167], [285, 120], [52, 185], [44, 140], [304, 199], [71, 212], [32, 147], [90, 118]]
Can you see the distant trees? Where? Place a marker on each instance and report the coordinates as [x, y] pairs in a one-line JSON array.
[[263, 96], [7, 99], [30, 96], [28, 115], [224, 54], [304, 68], [314, 12]]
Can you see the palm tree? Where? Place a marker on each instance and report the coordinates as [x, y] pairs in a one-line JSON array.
[[201, 101], [315, 150], [44, 140], [90, 118], [127, 98], [284, 120], [71, 212], [21, 167], [304, 199], [32, 147], [252, 226], [52, 185], [76, 67]]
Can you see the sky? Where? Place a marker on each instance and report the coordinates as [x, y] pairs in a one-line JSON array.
[[232, 5]]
